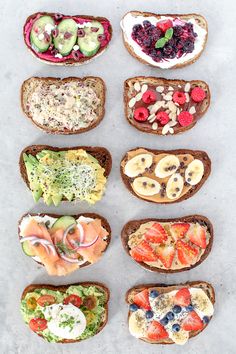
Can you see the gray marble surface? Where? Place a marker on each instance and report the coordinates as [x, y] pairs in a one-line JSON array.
[[215, 133]]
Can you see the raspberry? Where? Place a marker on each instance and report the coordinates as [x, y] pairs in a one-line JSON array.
[[164, 25], [149, 96], [141, 114], [162, 117], [179, 97], [185, 118], [198, 94]]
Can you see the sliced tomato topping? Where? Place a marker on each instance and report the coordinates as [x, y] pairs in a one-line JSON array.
[[156, 331], [192, 322], [38, 324], [46, 300], [142, 299], [156, 234], [74, 300]]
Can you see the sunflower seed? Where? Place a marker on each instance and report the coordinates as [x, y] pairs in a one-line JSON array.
[[187, 87], [159, 89], [144, 88], [137, 86], [132, 102]]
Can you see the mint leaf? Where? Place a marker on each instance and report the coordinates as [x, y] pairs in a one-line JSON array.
[[160, 43], [169, 34]]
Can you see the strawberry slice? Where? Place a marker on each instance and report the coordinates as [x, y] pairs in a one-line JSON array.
[[179, 230], [156, 234], [186, 254], [197, 235], [142, 299], [143, 252], [182, 297], [156, 331], [192, 322], [164, 25], [166, 255]]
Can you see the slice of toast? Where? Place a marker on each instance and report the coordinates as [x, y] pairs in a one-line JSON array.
[[164, 288], [133, 225], [139, 16], [60, 125], [162, 199], [63, 288], [165, 98]]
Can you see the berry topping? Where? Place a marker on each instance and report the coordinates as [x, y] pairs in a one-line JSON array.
[[162, 117], [197, 235], [176, 327], [156, 331], [192, 322], [142, 299], [198, 94], [177, 309], [187, 255], [179, 230], [170, 316], [185, 118], [182, 297], [149, 314], [156, 234], [141, 114], [164, 321], [143, 252], [179, 97], [205, 319], [133, 307], [189, 308], [166, 255], [153, 294], [164, 25], [149, 96]]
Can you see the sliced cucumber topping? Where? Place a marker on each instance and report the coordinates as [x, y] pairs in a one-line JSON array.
[[89, 43], [67, 36], [63, 223], [40, 35], [26, 249]]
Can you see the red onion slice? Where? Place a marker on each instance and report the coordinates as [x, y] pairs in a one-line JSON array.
[[81, 232], [85, 245], [72, 260], [42, 241], [28, 238]]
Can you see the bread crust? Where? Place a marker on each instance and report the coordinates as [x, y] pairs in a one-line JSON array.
[[63, 288], [163, 82], [133, 225], [202, 155], [61, 81], [158, 16], [207, 287], [71, 61]]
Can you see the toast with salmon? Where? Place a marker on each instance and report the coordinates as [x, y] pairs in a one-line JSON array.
[[168, 245], [164, 176], [165, 107], [170, 314], [66, 40], [66, 313], [64, 244], [71, 105], [164, 41]]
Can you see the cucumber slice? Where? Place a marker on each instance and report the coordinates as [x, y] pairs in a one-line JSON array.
[[89, 44], [63, 223], [26, 249], [39, 36], [67, 36]]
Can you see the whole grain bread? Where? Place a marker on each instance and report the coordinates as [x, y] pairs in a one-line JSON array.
[[163, 288], [197, 154], [96, 83], [156, 81], [63, 288], [133, 225], [201, 21], [71, 61]]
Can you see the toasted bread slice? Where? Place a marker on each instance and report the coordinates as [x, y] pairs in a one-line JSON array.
[[68, 60], [164, 288], [136, 17], [35, 89], [63, 288], [164, 89], [160, 197], [132, 226]]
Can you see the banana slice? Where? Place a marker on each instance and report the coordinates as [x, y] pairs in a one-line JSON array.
[[146, 186], [161, 305], [137, 324], [180, 337], [194, 172], [174, 186], [167, 166], [138, 164], [201, 302]]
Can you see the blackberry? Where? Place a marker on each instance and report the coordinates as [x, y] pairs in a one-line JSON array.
[[137, 28], [146, 24], [188, 46], [178, 30]]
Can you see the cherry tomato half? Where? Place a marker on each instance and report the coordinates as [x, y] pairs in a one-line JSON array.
[[74, 300], [46, 300], [38, 324], [31, 303]]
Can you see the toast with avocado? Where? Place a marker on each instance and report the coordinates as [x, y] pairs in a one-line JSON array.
[[164, 41], [168, 245], [64, 243], [64, 106], [164, 176], [65, 174], [66, 313], [66, 40], [170, 314]]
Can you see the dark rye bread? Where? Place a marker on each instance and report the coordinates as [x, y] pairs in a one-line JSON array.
[[96, 83], [197, 154], [71, 61], [100, 153], [133, 225], [201, 21], [163, 288], [63, 288], [104, 223], [156, 81]]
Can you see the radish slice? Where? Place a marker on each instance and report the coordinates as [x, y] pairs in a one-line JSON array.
[[71, 260], [85, 245]]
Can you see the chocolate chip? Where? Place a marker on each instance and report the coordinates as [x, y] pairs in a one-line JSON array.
[[142, 159], [182, 174], [163, 185], [181, 164], [144, 184], [189, 179], [174, 195], [186, 184], [185, 158], [177, 189], [175, 179]]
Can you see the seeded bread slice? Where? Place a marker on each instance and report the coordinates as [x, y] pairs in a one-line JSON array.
[[96, 83], [133, 225], [164, 288], [201, 21], [156, 81], [63, 288]]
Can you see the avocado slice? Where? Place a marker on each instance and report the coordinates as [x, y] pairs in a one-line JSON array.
[[63, 223], [30, 164], [56, 199]]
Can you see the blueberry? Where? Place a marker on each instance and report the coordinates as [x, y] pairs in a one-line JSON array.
[[149, 314], [154, 293], [206, 319], [137, 28], [133, 307], [164, 321], [170, 316], [177, 309], [176, 327], [146, 24], [189, 308]]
